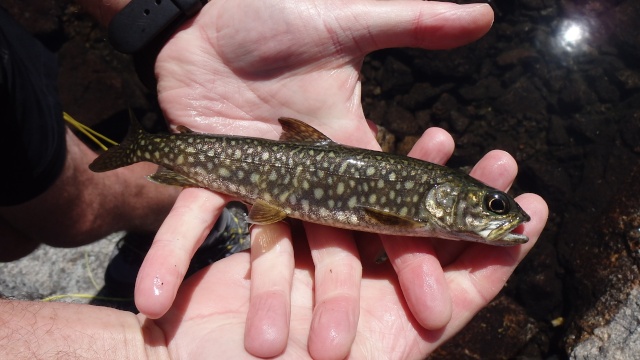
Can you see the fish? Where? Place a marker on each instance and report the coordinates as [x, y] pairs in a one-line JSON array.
[[307, 176]]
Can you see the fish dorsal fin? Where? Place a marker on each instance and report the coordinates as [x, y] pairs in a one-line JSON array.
[[389, 218], [298, 131], [168, 177], [184, 130], [263, 213]]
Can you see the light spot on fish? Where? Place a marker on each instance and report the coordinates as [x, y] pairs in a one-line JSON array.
[[409, 185], [224, 172], [404, 211], [180, 160], [371, 170], [353, 201], [331, 204], [372, 198], [305, 205], [318, 193], [340, 188], [380, 184]]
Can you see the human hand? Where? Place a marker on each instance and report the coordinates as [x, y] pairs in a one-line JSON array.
[[434, 277], [236, 68]]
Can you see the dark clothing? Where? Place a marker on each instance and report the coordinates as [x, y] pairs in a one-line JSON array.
[[32, 136]]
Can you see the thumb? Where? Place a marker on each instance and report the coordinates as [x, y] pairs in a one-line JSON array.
[[424, 24]]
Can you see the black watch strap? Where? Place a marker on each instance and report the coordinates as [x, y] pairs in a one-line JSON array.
[[142, 21]]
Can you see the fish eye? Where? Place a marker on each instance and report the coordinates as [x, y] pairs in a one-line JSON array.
[[497, 202]]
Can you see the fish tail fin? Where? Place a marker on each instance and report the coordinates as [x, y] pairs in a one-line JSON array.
[[123, 154]]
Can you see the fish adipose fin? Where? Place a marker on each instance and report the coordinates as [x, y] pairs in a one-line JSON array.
[[263, 213], [123, 154], [167, 177], [388, 218], [297, 131]]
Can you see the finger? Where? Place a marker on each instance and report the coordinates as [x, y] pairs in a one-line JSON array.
[[421, 279], [436, 145], [272, 264], [338, 273], [166, 263], [424, 24], [481, 271], [497, 169], [414, 259]]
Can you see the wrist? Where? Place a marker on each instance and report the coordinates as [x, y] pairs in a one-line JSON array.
[[38, 330]]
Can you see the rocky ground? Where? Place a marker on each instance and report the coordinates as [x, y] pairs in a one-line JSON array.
[[556, 83]]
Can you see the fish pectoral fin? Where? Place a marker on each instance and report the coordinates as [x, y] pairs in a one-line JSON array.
[[263, 213], [389, 218], [168, 177], [298, 131]]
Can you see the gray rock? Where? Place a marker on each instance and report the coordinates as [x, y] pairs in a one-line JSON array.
[[620, 339], [56, 272]]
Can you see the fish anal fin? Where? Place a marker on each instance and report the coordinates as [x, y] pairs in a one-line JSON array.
[[389, 218], [167, 177], [298, 131], [263, 213]]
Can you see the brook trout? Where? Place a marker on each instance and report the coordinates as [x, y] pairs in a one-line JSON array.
[[307, 176]]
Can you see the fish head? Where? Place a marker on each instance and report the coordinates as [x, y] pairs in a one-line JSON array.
[[476, 213]]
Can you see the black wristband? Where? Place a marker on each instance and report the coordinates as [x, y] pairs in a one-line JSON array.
[[142, 21]]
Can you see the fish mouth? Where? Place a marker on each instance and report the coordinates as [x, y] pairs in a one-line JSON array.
[[500, 233]]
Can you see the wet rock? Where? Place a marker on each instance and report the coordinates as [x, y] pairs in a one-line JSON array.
[[419, 96], [623, 21], [398, 77], [443, 108], [458, 122], [557, 135], [508, 325], [400, 121], [602, 86], [629, 78], [385, 139], [522, 97], [602, 264], [518, 56], [630, 129], [576, 95], [485, 88]]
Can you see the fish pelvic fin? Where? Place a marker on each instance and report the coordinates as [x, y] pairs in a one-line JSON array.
[[295, 130], [263, 213], [123, 154], [167, 177]]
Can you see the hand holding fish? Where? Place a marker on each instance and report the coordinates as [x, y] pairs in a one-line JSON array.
[[238, 66], [438, 278]]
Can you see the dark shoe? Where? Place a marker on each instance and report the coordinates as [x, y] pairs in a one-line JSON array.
[[228, 236]]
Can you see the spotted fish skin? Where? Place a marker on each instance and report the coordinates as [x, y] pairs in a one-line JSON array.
[[307, 176]]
